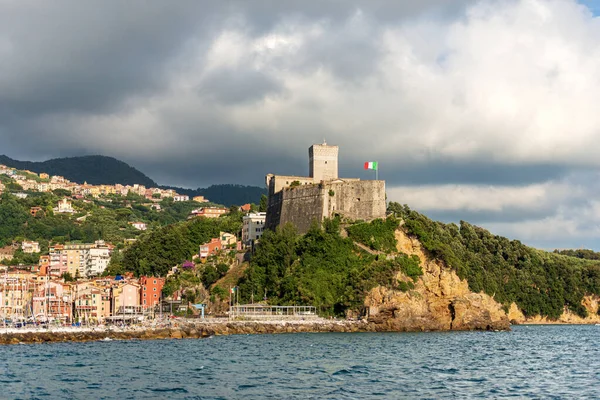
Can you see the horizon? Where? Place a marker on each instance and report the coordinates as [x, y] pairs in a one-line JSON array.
[[475, 110]]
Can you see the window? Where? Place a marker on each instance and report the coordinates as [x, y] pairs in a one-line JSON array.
[[155, 289]]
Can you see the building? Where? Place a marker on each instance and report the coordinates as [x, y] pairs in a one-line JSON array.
[[141, 226], [253, 227], [246, 208], [151, 289], [304, 200], [58, 260], [97, 259], [64, 206], [44, 176], [209, 212], [125, 298], [91, 305], [86, 259], [181, 197], [210, 248], [30, 247], [200, 199], [7, 253], [228, 240]]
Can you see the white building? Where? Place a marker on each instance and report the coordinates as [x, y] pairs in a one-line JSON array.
[[96, 259], [64, 206], [30, 247], [181, 197], [254, 225], [139, 225]]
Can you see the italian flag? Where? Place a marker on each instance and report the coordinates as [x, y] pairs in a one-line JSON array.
[[371, 165]]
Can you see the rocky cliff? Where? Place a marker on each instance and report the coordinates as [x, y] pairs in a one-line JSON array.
[[440, 300], [590, 302]]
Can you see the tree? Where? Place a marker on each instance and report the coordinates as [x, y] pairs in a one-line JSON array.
[[67, 277], [262, 207]]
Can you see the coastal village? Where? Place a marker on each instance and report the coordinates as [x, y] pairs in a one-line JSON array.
[[69, 285]]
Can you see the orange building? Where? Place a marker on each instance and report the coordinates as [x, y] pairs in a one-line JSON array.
[[210, 248], [151, 289]]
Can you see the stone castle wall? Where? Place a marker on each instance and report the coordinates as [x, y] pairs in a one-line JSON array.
[[355, 200]]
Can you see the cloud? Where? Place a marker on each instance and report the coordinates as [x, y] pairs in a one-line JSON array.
[[473, 108]]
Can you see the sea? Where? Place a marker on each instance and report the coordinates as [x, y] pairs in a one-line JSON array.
[[531, 361]]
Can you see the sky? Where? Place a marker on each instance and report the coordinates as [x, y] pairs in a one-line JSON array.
[[484, 111]]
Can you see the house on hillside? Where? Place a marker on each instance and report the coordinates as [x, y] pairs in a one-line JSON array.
[[30, 247], [7, 253], [200, 199], [208, 212], [64, 207], [253, 227], [210, 248], [181, 197], [227, 240], [141, 226], [246, 208]]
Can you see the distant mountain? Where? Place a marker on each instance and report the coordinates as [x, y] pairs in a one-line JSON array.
[[225, 194], [95, 170], [98, 170]]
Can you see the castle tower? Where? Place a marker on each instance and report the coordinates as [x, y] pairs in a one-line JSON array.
[[323, 162]]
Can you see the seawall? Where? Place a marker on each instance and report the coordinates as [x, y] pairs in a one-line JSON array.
[[196, 330]]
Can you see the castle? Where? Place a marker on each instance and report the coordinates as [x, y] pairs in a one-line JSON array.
[[302, 200]]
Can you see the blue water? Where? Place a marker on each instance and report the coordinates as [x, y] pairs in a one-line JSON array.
[[530, 361]]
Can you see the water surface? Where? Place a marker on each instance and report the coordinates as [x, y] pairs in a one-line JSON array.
[[530, 361]]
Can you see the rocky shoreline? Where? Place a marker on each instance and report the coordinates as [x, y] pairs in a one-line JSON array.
[[197, 330]]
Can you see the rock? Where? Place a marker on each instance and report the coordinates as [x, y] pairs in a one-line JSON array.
[[439, 301]]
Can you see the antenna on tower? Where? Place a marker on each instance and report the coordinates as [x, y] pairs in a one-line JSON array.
[[324, 142]]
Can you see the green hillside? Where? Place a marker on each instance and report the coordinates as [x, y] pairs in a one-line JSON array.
[[95, 170], [324, 269]]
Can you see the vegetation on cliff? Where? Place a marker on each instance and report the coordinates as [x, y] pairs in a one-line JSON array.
[[320, 268], [539, 282]]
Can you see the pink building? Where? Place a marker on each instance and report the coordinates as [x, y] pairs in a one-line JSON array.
[[52, 300]]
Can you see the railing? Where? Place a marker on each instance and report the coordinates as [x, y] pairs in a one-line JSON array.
[[258, 311]]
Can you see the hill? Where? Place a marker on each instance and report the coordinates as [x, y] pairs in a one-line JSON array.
[[408, 271], [98, 170], [225, 194], [95, 170]]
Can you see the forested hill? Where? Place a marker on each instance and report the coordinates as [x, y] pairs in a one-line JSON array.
[[225, 194], [95, 170], [539, 282], [102, 170]]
